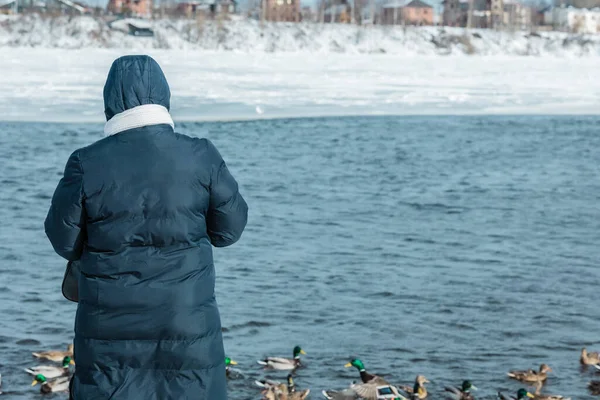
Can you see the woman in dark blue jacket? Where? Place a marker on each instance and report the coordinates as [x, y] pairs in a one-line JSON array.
[[140, 210]]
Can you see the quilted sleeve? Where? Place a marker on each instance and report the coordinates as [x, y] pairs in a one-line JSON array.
[[228, 211], [65, 223]]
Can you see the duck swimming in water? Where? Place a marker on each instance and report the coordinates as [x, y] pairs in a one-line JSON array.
[[418, 391], [55, 355], [462, 393], [58, 385], [228, 363], [280, 363], [50, 371], [531, 376], [586, 358], [366, 377], [522, 394]]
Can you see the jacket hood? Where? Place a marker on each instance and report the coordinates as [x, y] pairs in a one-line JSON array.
[[134, 81]]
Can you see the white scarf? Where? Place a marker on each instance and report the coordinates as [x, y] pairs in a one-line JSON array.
[[147, 114]]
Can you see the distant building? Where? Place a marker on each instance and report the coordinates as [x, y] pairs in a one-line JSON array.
[[338, 12], [539, 16], [576, 20], [589, 4], [307, 14], [195, 8], [8, 6], [138, 8], [68, 6], [517, 15], [490, 14], [281, 10], [496, 13], [455, 12], [415, 12]]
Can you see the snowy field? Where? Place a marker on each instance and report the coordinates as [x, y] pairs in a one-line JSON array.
[[66, 85]]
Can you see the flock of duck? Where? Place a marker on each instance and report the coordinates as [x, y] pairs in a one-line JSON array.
[[373, 387], [55, 378]]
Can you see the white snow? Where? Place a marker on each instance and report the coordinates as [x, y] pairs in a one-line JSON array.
[[66, 85], [53, 69], [243, 35]]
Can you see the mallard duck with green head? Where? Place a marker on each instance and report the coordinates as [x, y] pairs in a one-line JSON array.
[[464, 392], [50, 371], [522, 394], [365, 377], [55, 355], [280, 363], [418, 390], [531, 376], [592, 358], [58, 385], [228, 363]]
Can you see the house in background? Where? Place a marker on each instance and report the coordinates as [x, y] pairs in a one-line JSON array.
[[575, 20], [281, 10], [137, 8], [588, 4], [209, 9], [517, 16], [415, 12], [8, 6], [68, 7], [489, 14], [338, 12], [455, 12], [53, 7]]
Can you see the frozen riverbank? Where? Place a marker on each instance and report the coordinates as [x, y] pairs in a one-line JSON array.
[[242, 35], [66, 85]]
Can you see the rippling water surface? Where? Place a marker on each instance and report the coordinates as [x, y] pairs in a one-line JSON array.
[[450, 247]]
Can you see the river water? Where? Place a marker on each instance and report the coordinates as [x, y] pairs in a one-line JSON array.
[[454, 247]]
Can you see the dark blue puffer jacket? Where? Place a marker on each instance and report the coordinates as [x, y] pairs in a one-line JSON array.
[[140, 210]]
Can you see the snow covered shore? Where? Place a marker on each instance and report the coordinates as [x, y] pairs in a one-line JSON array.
[[66, 85], [247, 36]]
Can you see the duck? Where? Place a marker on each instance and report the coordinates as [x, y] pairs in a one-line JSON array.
[[228, 363], [461, 393], [50, 371], [538, 396], [282, 364], [364, 391], [418, 391], [346, 394], [55, 355], [294, 394], [58, 385], [586, 358], [285, 391], [594, 388], [267, 384], [522, 394], [364, 375], [531, 376]]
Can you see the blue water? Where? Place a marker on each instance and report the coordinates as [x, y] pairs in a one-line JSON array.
[[454, 247]]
